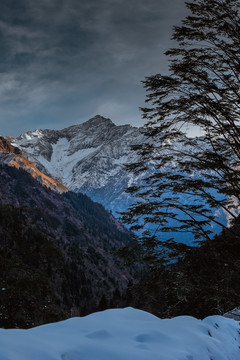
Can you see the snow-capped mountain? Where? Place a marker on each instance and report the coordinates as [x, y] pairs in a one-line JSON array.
[[89, 158]]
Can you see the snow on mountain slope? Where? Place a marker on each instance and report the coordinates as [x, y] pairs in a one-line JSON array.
[[12, 156], [88, 157], [125, 334]]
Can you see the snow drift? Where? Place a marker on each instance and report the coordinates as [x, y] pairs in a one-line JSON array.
[[125, 334]]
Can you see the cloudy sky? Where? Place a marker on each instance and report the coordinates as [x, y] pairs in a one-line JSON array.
[[64, 61]]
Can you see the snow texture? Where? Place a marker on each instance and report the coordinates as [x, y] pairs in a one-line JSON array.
[[125, 334]]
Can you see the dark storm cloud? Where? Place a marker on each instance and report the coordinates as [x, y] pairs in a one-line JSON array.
[[63, 61]]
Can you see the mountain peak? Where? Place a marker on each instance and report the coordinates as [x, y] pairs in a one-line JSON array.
[[87, 157], [98, 119]]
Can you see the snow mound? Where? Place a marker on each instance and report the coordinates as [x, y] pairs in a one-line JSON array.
[[125, 334]]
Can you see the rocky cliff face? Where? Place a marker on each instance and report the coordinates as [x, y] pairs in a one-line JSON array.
[[12, 156], [89, 158]]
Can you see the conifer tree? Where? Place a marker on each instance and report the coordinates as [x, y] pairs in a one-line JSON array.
[[192, 177]]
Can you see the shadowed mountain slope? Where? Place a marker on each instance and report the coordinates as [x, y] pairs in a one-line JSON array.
[[56, 252]]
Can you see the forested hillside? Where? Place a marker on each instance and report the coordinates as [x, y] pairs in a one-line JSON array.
[[57, 253]]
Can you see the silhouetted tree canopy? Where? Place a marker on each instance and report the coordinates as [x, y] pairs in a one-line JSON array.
[[189, 178]]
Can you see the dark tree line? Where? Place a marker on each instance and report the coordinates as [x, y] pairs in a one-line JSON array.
[[203, 281]]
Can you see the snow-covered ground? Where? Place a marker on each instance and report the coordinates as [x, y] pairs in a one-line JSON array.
[[125, 334]]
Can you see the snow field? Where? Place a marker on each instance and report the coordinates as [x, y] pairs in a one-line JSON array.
[[125, 334]]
